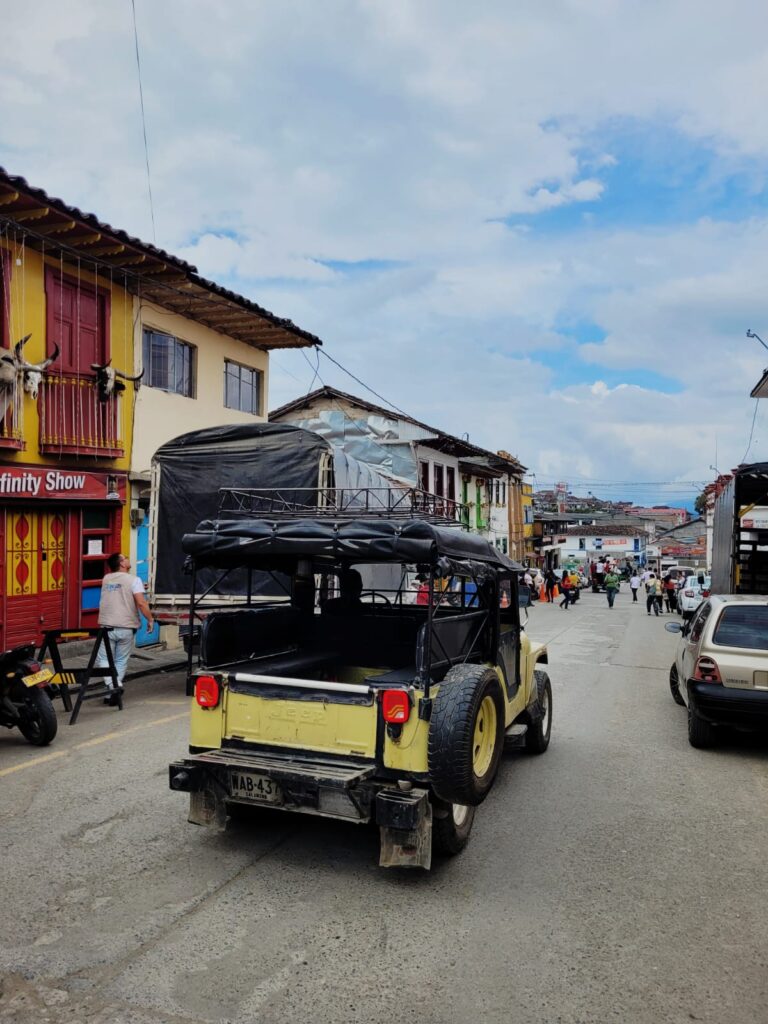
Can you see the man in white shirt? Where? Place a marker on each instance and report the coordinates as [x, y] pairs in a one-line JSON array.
[[122, 598]]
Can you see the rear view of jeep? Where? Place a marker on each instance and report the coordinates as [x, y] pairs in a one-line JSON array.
[[373, 670]]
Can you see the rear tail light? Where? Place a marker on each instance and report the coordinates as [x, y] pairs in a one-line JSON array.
[[689, 593], [207, 691], [707, 671], [396, 706]]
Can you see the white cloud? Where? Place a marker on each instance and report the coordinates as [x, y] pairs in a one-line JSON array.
[[285, 135]]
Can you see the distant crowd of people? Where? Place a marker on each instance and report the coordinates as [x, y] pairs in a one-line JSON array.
[[604, 575]]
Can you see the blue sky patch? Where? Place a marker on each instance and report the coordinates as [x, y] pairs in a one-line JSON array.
[[660, 177], [569, 370]]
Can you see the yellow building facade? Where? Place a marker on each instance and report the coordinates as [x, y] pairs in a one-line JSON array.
[[78, 301]]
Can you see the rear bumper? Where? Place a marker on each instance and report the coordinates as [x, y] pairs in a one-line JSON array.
[[348, 790], [721, 705]]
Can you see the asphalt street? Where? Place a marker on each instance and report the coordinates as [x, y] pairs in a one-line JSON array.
[[622, 876]]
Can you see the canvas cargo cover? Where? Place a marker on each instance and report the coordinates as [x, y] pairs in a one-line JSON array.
[[261, 542], [195, 465]]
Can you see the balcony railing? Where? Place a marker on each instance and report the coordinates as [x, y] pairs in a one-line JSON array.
[[11, 424], [74, 420]]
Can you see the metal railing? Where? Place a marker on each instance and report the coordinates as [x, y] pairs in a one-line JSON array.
[[74, 419], [342, 504]]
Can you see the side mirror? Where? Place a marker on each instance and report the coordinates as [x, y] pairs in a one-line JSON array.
[[673, 627]]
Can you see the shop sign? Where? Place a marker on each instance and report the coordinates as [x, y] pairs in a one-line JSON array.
[[27, 482], [616, 542]]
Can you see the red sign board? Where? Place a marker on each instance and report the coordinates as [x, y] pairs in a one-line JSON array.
[[78, 484]]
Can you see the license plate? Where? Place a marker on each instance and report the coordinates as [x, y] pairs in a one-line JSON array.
[[39, 677], [258, 788]]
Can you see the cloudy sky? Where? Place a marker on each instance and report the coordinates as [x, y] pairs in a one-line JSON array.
[[541, 224]]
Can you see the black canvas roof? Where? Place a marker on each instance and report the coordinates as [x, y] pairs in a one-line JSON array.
[[259, 542]]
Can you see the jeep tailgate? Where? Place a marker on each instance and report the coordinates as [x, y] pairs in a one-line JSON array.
[[301, 714]]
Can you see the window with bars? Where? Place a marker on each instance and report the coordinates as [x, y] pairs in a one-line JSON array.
[[242, 388], [169, 364]]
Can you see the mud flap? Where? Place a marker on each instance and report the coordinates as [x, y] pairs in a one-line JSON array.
[[408, 848], [207, 807]]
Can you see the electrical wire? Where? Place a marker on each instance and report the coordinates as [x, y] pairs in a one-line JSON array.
[[363, 384], [143, 122], [752, 429]]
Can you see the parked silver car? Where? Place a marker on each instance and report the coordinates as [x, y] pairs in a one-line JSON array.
[[720, 672]]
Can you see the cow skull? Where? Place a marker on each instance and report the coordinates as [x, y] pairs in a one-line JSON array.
[[12, 366], [32, 373], [110, 381]]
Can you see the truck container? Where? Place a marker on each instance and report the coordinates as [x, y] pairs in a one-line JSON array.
[[740, 533]]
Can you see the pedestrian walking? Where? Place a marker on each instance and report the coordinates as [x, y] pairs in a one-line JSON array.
[[550, 582], [670, 593], [650, 590], [566, 589], [634, 585], [122, 598], [611, 587]]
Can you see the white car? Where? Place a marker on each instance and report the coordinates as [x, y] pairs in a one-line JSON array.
[[691, 593]]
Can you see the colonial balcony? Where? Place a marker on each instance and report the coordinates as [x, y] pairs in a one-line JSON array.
[[11, 426], [74, 421]]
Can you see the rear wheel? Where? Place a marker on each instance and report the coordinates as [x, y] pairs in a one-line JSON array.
[[701, 734], [37, 717], [538, 734], [451, 826], [674, 686], [466, 735]]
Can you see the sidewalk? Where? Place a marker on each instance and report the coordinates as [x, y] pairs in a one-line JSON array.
[[145, 661]]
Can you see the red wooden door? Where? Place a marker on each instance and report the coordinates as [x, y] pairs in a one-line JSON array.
[[34, 576], [77, 320]]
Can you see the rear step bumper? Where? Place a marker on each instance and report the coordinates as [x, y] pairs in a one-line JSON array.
[[216, 778]]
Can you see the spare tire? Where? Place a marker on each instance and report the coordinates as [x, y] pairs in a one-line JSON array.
[[466, 735]]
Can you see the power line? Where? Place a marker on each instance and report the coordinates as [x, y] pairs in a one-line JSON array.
[[143, 122], [363, 384], [752, 429]]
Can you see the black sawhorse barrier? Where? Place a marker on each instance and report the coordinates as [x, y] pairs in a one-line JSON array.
[[79, 679]]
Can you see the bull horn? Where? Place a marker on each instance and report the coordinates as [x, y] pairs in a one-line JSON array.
[[51, 359], [100, 366], [20, 345], [124, 376]]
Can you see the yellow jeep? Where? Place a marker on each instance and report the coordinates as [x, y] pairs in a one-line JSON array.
[[389, 702]]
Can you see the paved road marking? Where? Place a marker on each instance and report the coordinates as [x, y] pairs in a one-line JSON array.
[[90, 743]]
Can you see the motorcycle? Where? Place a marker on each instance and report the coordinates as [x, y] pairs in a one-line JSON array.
[[24, 702]]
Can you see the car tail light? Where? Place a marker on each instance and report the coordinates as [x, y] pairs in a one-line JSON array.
[[707, 671], [206, 691], [396, 706], [689, 593]]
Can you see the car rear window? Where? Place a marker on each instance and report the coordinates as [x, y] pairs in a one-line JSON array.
[[743, 626]]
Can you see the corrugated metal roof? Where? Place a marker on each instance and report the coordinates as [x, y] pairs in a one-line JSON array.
[[64, 231], [446, 443]]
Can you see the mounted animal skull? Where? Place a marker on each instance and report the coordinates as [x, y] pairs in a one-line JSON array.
[[110, 382], [32, 373], [13, 365]]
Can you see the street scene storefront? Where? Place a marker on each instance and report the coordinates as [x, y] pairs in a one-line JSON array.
[[57, 527]]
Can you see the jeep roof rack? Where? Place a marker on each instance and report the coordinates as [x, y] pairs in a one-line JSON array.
[[342, 504]]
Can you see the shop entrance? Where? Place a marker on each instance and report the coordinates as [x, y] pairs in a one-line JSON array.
[[35, 573]]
